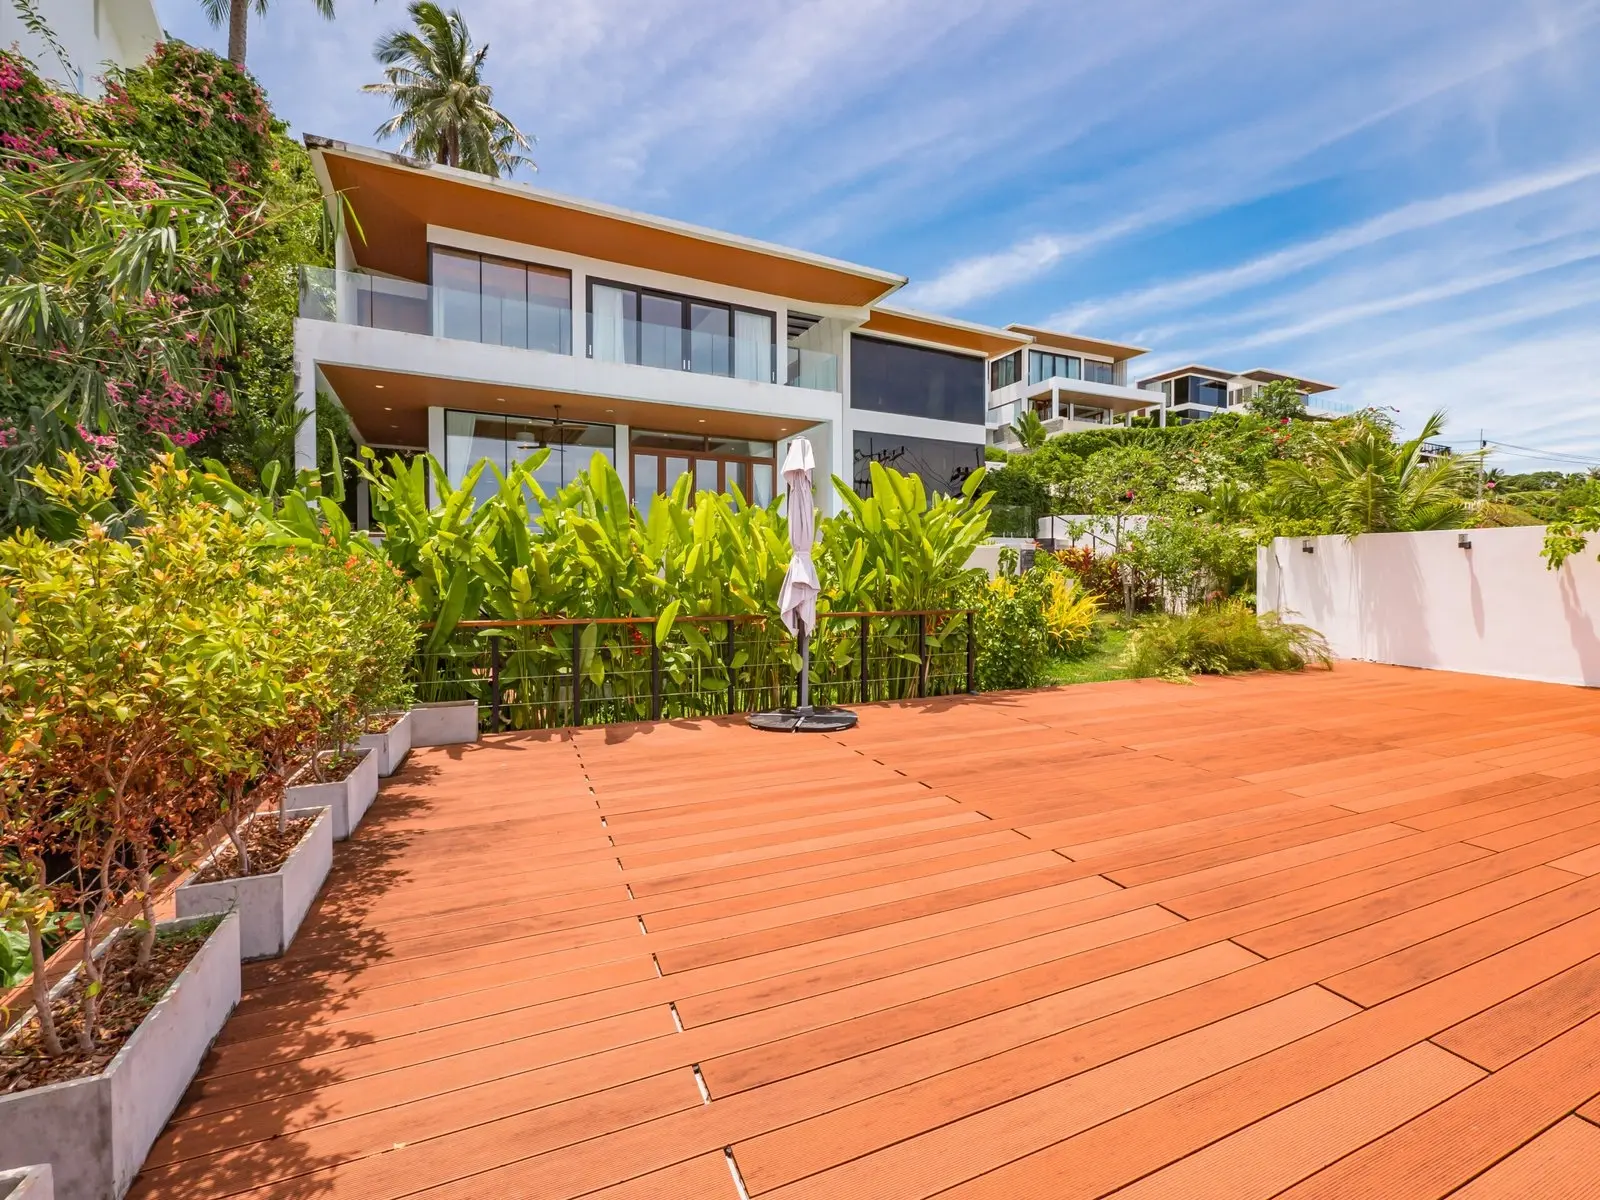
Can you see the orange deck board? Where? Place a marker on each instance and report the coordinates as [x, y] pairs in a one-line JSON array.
[[1329, 933]]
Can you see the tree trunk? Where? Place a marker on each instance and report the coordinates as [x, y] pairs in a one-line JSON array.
[[40, 986], [230, 825], [147, 906], [238, 21], [93, 981]]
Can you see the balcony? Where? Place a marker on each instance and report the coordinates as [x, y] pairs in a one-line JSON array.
[[530, 321]]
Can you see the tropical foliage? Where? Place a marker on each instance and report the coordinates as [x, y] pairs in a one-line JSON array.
[[433, 76], [1222, 639], [669, 578], [147, 278], [164, 666]]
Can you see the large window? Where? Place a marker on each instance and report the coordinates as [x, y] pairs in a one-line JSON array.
[[508, 440], [915, 381], [1099, 372], [1003, 372], [480, 298], [942, 466], [1043, 365], [1195, 389], [659, 329]]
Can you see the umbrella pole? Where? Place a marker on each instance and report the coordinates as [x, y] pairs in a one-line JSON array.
[[805, 667]]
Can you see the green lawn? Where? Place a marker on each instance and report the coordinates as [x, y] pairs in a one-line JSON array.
[[1096, 666]]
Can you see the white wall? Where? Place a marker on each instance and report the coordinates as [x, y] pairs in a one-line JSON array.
[[1419, 600], [92, 32]]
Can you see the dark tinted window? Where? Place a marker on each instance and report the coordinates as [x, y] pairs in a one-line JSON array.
[[942, 466], [1099, 372], [1004, 371], [916, 381]]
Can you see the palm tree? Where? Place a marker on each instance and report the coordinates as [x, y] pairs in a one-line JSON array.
[[1030, 430], [433, 76], [1371, 485], [237, 14]]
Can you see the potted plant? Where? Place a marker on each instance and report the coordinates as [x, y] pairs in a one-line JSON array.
[[272, 864], [116, 700]]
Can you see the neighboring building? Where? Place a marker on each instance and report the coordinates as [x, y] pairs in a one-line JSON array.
[[481, 318], [1194, 393], [1071, 382], [92, 32]]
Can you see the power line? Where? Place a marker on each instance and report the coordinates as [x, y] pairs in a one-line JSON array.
[[1547, 455]]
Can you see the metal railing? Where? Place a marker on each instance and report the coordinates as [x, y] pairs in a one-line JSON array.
[[551, 672]]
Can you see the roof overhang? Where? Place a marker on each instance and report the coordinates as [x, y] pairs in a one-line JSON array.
[[394, 199], [1309, 386], [390, 408], [1191, 369], [943, 331], [1115, 351]]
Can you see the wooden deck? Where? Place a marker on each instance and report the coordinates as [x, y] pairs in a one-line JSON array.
[[1324, 935]]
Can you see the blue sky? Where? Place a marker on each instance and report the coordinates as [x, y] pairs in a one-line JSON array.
[[1402, 198]]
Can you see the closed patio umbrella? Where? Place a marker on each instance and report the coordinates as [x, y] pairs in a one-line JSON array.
[[797, 599]]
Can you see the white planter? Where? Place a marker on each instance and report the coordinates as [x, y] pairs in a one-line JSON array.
[[347, 800], [95, 1132], [444, 723], [28, 1183], [392, 745], [270, 907]]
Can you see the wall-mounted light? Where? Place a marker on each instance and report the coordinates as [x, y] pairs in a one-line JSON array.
[[1307, 547], [1464, 540]]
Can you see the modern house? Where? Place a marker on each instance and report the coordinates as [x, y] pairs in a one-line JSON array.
[[1071, 382], [92, 32], [1194, 393], [482, 318]]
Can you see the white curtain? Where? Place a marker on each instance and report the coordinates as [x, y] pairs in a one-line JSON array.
[[752, 346], [610, 335]]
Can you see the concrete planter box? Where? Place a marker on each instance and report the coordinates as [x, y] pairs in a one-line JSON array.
[[444, 723], [347, 800], [270, 907], [95, 1132], [392, 745], [29, 1183]]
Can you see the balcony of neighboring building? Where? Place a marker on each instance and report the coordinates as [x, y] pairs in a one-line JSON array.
[[1068, 392]]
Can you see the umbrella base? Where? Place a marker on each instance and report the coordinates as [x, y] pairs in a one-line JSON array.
[[803, 720]]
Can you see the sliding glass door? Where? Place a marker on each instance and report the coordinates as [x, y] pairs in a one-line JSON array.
[[680, 333]]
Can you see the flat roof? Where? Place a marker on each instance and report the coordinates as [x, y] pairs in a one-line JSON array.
[[1115, 351], [944, 331], [1191, 369], [1311, 386], [395, 199]]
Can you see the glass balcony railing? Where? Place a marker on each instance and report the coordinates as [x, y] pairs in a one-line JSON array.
[[530, 322], [377, 302], [815, 369]]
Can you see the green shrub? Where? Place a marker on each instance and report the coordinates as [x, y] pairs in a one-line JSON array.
[[1013, 640], [1222, 639]]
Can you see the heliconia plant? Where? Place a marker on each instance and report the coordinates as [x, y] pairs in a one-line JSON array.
[[587, 552]]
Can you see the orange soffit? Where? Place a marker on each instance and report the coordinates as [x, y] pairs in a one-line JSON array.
[[394, 203]]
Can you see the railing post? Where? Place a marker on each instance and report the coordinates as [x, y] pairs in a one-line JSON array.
[[728, 656], [922, 655], [866, 691], [577, 675], [972, 654], [655, 674], [494, 685]]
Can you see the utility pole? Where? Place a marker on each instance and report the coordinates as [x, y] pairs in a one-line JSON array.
[[1483, 447]]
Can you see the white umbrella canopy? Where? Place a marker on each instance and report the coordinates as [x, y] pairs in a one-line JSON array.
[[797, 600]]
